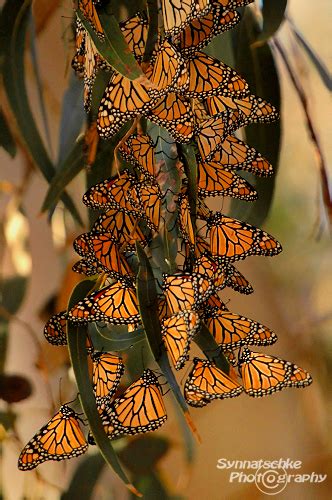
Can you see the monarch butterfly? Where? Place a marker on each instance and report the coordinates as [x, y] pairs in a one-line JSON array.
[[148, 196], [263, 374], [195, 399], [209, 136], [205, 265], [240, 112], [213, 180], [107, 372], [233, 4], [177, 15], [231, 239], [163, 310], [236, 154], [208, 76], [135, 32], [139, 409], [86, 62], [124, 227], [201, 30], [211, 305], [237, 281], [102, 249], [123, 99], [59, 439], [231, 330], [185, 291], [56, 328], [178, 331], [167, 71], [211, 382], [139, 149], [115, 304], [111, 194], [88, 9], [185, 222], [84, 266], [175, 114]]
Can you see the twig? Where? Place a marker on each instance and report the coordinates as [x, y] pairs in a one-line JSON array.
[[313, 134]]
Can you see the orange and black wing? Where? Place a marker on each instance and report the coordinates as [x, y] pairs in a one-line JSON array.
[[140, 409], [210, 382], [88, 9], [213, 180], [231, 330], [107, 372], [202, 29], [178, 331], [231, 239], [116, 304], [55, 330], [135, 32], [61, 438], [177, 15]]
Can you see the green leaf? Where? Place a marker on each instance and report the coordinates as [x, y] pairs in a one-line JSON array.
[[208, 345], [73, 117], [115, 338], [77, 348], [15, 17], [6, 139], [85, 478], [142, 454], [151, 487], [66, 172], [273, 13], [257, 66], [114, 48]]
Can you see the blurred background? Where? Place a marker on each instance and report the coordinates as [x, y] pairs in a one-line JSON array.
[[293, 291]]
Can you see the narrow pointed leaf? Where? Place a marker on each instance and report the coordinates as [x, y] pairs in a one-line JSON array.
[[77, 349], [273, 13], [114, 48], [15, 16], [6, 139]]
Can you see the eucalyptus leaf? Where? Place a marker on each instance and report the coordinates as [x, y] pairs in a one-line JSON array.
[[66, 172], [113, 48], [273, 14], [15, 16], [76, 336]]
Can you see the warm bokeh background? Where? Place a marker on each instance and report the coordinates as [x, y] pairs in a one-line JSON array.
[[293, 295]]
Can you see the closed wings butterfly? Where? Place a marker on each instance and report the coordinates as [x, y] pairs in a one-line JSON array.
[[116, 304], [231, 330], [263, 374], [140, 408], [231, 239], [178, 331], [211, 382], [106, 374], [61, 438], [177, 14]]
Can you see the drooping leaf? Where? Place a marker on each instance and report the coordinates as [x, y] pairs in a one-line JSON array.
[[273, 14], [66, 172], [257, 66], [15, 17], [114, 48], [73, 116], [77, 348]]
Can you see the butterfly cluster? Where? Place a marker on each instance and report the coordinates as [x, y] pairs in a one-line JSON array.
[[201, 102]]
